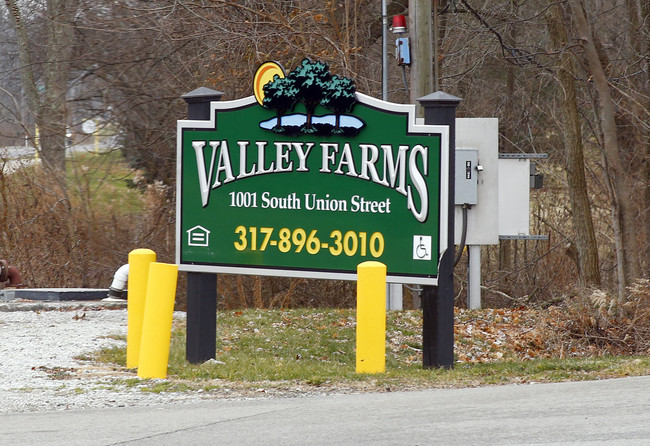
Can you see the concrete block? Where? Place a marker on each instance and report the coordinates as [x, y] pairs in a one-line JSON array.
[[53, 294]]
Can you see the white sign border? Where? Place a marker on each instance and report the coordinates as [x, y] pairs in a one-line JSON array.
[[408, 109]]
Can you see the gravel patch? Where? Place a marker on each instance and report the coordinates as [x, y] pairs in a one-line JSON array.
[[38, 369]]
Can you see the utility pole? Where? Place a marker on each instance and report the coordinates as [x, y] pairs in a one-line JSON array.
[[437, 108], [436, 36], [422, 51], [384, 51]]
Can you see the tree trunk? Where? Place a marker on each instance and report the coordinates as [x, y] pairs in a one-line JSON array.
[[48, 108], [624, 222], [645, 19], [583, 227], [507, 247], [639, 16]]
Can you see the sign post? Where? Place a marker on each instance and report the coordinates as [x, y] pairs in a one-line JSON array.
[[438, 302], [201, 338]]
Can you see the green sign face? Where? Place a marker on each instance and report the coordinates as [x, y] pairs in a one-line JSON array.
[[258, 196]]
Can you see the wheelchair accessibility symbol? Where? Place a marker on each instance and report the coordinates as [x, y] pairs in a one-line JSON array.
[[421, 247]]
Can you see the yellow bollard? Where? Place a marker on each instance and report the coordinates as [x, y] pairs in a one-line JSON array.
[[157, 323], [371, 317], [139, 260]]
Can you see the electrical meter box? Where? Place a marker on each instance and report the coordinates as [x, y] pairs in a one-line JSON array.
[[467, 172], [402, 51]]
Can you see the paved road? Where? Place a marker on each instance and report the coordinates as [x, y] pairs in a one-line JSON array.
[[611, 412]]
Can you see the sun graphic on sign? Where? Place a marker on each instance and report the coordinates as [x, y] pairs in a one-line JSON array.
[[265, 74]]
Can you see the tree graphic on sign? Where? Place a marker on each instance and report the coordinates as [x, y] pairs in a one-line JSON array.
[[312, 85], [311, 79], [280, 95], [339, 97]]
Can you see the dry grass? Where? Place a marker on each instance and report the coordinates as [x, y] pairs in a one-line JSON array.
[[599, 324], [581, 327], [79, 235], [287, 352]]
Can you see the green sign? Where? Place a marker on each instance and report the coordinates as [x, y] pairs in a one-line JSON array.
[[311, 190]]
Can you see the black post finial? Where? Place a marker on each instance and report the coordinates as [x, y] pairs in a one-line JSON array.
[[198, 102]]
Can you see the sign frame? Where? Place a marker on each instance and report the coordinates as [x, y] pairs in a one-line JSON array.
[[413, 128]]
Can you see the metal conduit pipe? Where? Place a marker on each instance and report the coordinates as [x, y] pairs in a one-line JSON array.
[[119, 282]]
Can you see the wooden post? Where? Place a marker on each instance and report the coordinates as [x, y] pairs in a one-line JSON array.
[[201, 341], [421, 50], [438, 302]]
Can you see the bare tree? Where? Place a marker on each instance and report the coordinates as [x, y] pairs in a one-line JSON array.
[[638, 98], [621, 193], [583, 228], [45, 72], [566, 84]]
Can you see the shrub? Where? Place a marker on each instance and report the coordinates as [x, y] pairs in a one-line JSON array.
[[597, 321]]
